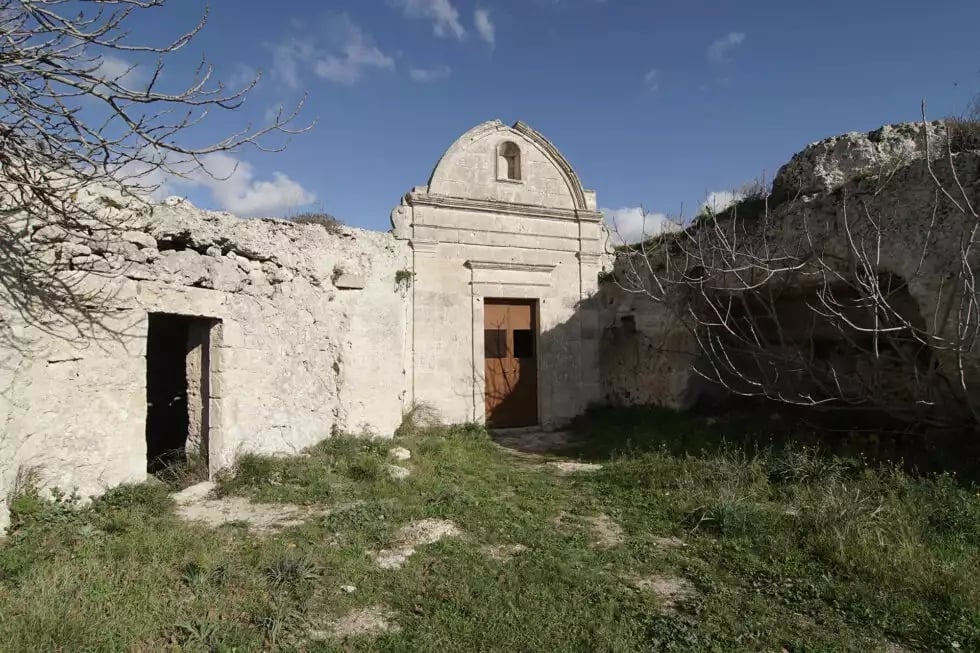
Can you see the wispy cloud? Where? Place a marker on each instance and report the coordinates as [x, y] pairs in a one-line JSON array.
[[484, 25], [428, 75], [230, 181], [719, 50], [442, 13], [719, 200], [346, 56], [233, 186], [652, 79], [633, 224]]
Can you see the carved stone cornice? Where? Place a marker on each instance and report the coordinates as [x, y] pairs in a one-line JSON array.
[[506, 208], [424, 246], [508, 265]]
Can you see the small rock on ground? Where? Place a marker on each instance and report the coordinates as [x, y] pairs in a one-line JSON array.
[[670, 589], [398, 473], [375, 620], [418, 533], [503, 552], [570, 467], [400, 453], [193, 493]]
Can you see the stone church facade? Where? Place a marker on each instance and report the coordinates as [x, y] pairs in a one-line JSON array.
[[199, 329], [503, 227]]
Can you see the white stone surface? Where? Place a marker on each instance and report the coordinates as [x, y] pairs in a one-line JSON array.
[[412, 536], [397, 472], [400, 453]]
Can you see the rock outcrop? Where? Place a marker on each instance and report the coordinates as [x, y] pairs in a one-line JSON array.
[[883, 198]]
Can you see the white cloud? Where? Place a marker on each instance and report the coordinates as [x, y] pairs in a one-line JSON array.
[[720, 200], [442, 13], [426, 75], [633, 224], [230, 182], [652, 79], [484, 25], [120, 71], [719, 50], [348, 56]]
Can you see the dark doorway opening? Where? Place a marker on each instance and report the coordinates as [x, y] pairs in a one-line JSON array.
[[178, 382]]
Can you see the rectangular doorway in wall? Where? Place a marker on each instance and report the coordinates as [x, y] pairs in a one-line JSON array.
[[510, 340], [178, 393]]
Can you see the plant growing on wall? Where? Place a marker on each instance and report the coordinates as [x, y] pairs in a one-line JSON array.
[[403, 280]]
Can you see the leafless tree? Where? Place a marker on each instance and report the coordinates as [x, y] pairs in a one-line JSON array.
[[865, 298], [84, 105]]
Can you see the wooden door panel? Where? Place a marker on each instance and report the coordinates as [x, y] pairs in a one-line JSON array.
[[510, 363]]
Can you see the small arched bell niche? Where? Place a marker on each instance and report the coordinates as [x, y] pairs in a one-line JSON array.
[[508, 161]]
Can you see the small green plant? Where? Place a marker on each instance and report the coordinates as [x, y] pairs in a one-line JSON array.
[[190, 468], [331, 224], [198, 634], [337, 273], [287, 572], [200, 577], [403, 279], [419, 417]]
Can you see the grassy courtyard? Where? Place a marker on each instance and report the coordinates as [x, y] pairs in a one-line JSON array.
[[667, 547]]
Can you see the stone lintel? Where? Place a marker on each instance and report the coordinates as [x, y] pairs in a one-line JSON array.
[[507, 208]]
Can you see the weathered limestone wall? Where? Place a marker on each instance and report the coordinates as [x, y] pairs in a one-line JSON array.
[[309, 337]]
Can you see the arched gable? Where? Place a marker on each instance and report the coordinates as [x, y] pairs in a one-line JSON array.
[[472, 169]]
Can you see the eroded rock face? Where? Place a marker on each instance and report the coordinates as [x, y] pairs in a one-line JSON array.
[[827, 164], [829, 199]]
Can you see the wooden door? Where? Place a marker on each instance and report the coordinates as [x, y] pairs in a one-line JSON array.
[[510, 355]]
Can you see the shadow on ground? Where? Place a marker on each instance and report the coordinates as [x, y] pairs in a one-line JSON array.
[[609, 432]]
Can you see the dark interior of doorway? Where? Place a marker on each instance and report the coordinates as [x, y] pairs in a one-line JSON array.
[[177, 394]]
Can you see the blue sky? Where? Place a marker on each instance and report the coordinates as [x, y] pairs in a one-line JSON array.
[[656, 104]]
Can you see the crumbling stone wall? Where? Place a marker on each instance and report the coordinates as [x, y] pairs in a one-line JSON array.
[[310, 330], [829, 184]]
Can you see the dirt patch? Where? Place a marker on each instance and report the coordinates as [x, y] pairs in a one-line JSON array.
[[570, 467], [375, 620], [195, 504], [670, 589], [504, 552], [669, 542], [606, 533], [892, 647], [418, 533]]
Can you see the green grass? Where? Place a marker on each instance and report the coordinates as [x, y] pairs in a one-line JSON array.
[[784, 547]]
